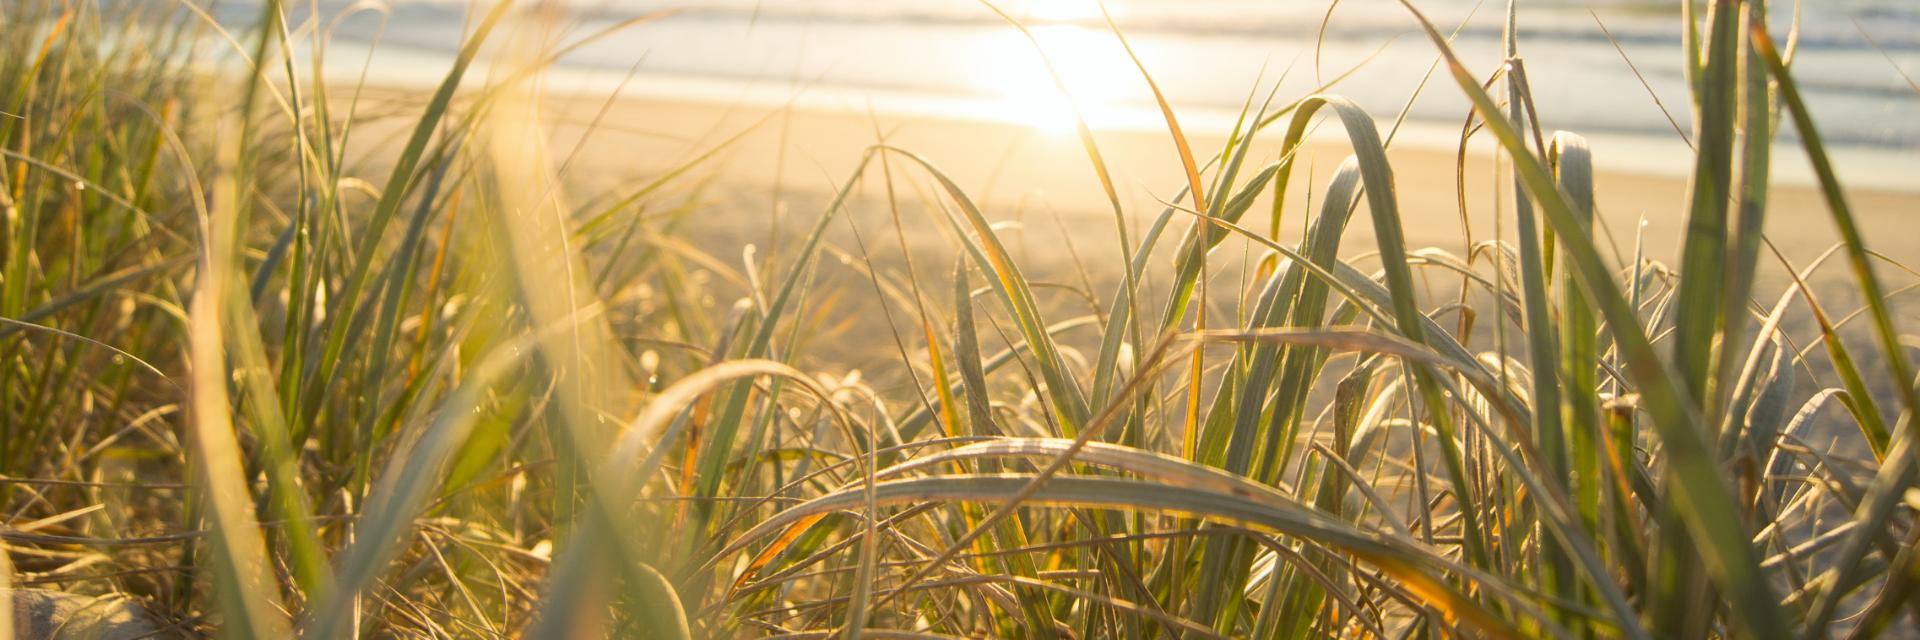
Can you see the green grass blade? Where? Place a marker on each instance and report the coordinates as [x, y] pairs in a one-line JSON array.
[[1701, 493]]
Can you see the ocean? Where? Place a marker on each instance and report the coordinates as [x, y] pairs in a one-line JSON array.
[[1213, 58]]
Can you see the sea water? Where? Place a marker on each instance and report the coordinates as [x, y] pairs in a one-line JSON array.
[[1601, 68]]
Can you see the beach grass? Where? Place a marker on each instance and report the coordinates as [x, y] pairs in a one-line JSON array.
[[268, 383]]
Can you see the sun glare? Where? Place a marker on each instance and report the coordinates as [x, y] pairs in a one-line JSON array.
[[1044, 11], [1091, 64]]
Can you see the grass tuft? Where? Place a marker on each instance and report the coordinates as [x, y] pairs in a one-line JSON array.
[[270, 381]]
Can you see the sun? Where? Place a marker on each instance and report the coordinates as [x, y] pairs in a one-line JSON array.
[[1092, 66], [1062, 11]]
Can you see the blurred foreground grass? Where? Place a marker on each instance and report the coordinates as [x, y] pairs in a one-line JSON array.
[[270, 386]]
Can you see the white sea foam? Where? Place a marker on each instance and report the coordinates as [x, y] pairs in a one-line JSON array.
[[956, 57]]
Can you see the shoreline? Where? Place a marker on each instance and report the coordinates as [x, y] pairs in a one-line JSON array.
[[1662, 153], [1015, 166], [784, 163], [1667, 156]]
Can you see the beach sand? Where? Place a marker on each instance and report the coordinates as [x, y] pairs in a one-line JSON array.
[[1015, 171], [778, 168]]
